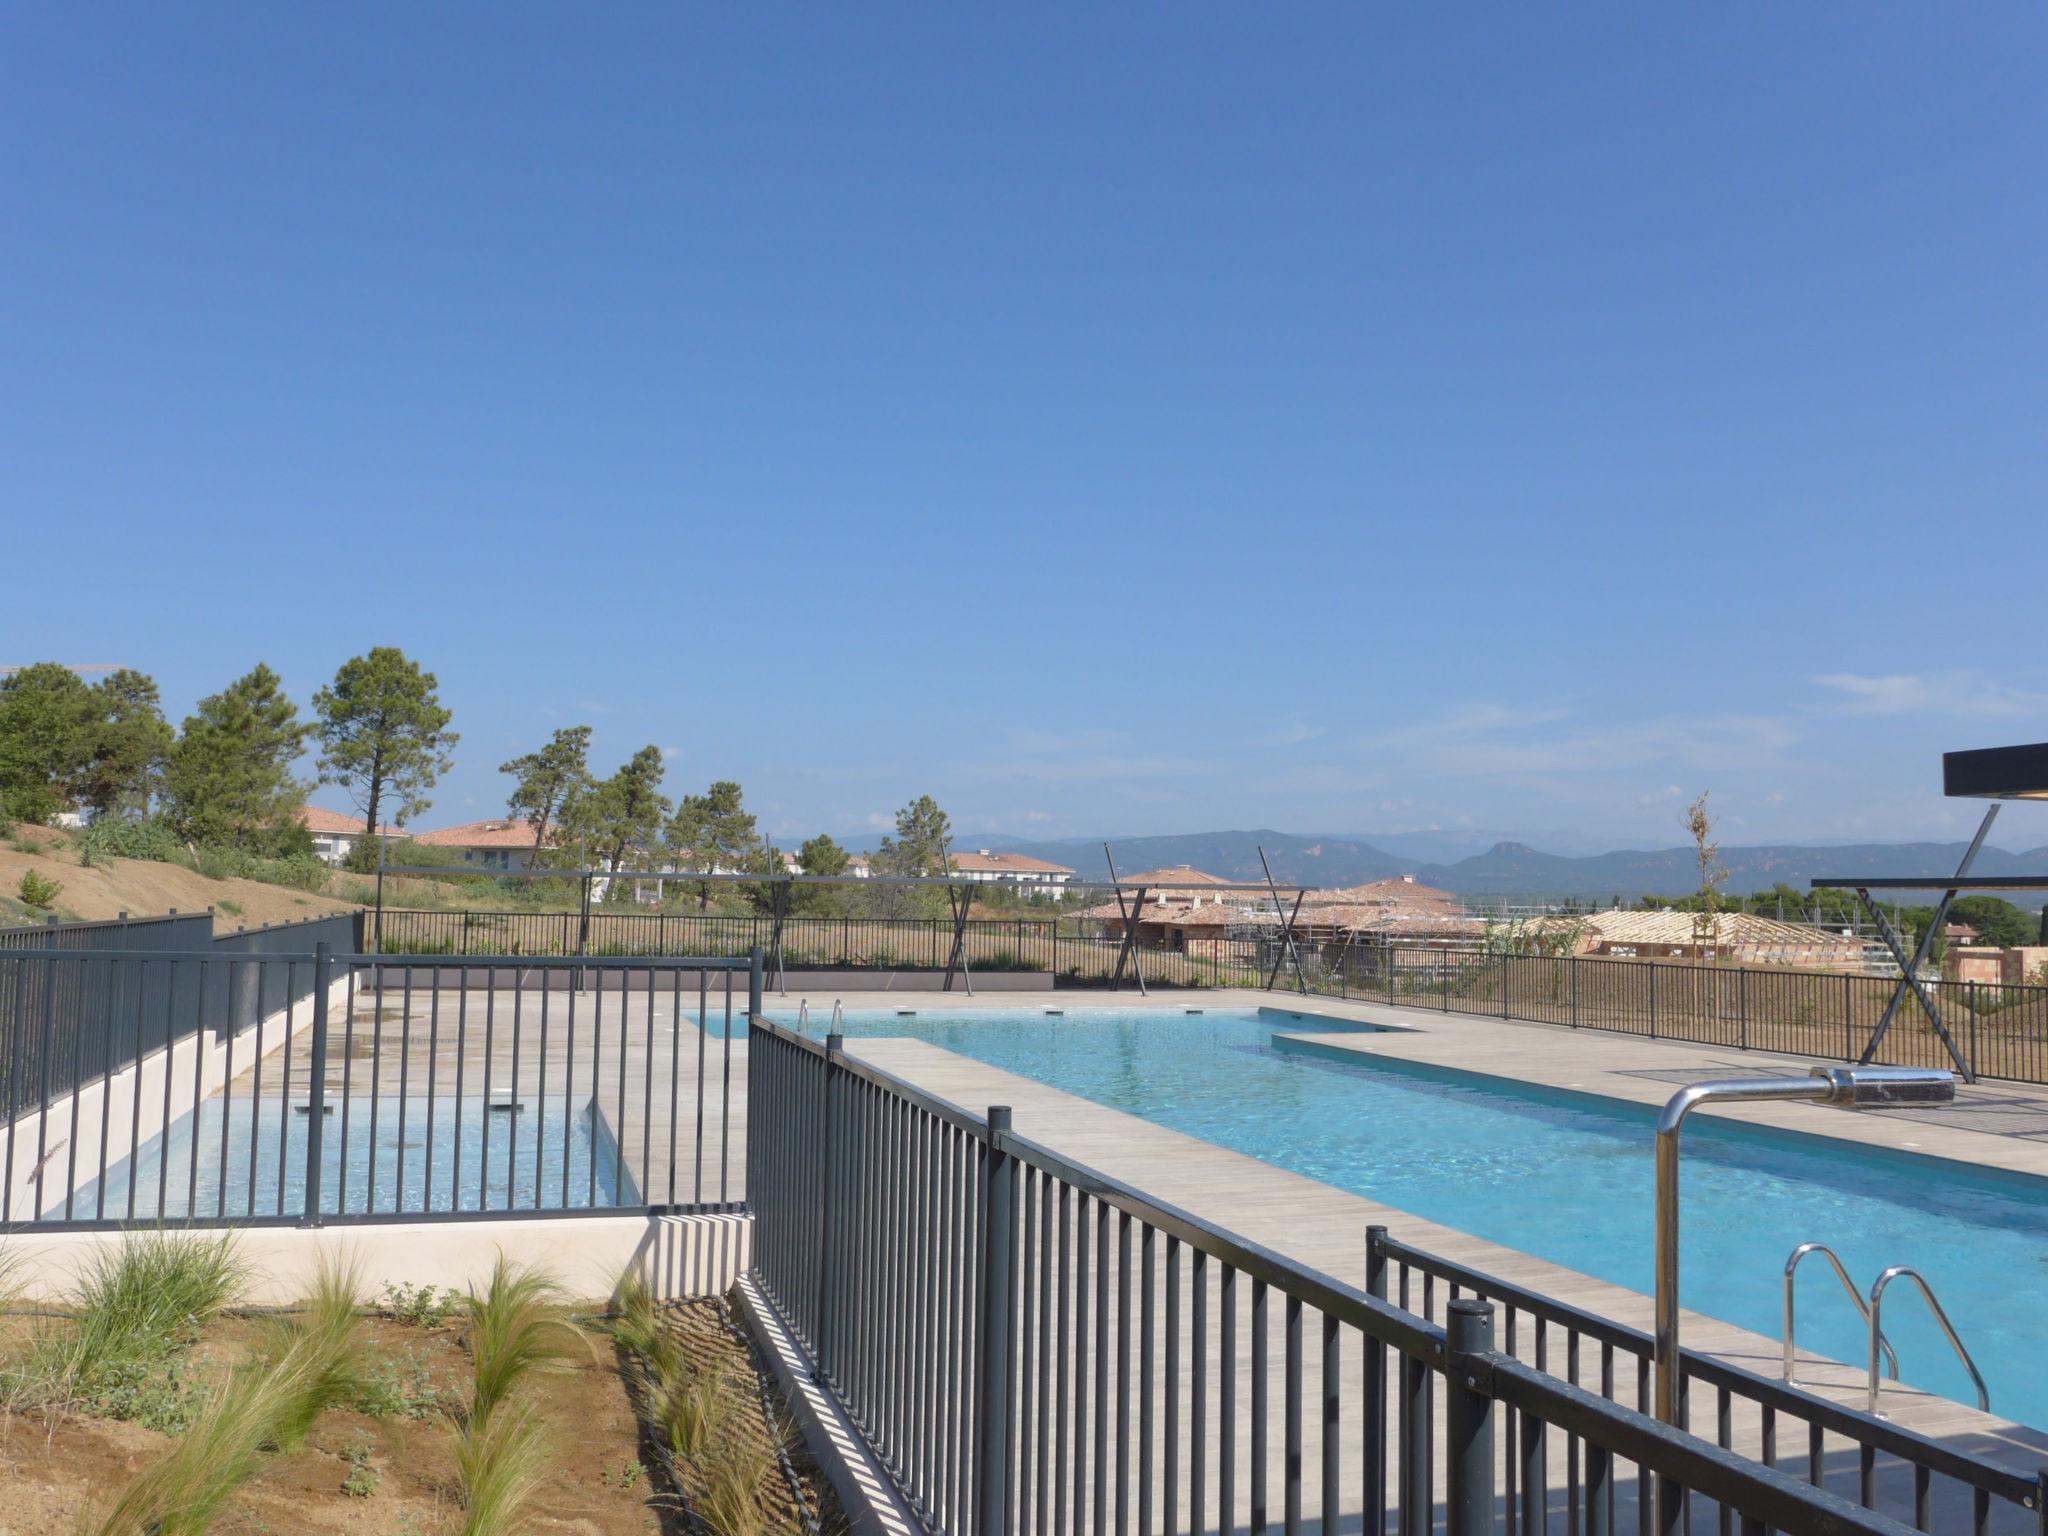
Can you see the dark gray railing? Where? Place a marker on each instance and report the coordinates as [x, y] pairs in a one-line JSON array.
[[1032, 1349], [2002, 1031], [1946, 1489], [252, 1084]]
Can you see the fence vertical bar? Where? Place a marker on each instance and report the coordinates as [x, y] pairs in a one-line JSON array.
[[316, 1086], [1375, 1425], [754, 965], [1468, 1419], [835, 1046], [992, 1428]]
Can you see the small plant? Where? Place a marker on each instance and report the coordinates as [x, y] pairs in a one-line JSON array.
[[401, 1387], [137, 1306], [362, 1478], [730, 1483], [626, 1477], [267, 1404], [38, 890], [501, 1460], [420, 1306], [231, 908], [515, 1327]]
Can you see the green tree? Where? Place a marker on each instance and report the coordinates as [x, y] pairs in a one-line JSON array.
[[711, 832], [229, 775], [1996, 921], [621, 813], [923, 835], [47, 718], [383, 735], [126, 745], [547, 780], [820, 855]]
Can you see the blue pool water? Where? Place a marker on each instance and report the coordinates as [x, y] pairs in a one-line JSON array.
[[394, 1161], [1570, 1178]]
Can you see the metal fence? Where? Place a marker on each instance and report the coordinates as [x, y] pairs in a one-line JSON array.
[[2001, 1031], [1031, 1347], [1872, 1460], [259, 1084], [109, 992]]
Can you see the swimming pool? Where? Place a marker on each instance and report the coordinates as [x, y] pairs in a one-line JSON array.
[[1569, 1177], [468, 1155]]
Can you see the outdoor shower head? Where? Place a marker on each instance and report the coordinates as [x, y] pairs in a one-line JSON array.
[[1879, 1087]]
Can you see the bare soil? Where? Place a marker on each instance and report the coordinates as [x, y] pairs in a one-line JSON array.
[[144, 888], [55, 1470]]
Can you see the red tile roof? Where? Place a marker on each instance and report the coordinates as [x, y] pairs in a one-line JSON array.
[[500, 833], [1181, 876], [982, 862], [318, 819]]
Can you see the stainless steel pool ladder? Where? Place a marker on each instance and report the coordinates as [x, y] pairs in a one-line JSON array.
[[1872, 1312], [1899, 1271], [1855, 1297]]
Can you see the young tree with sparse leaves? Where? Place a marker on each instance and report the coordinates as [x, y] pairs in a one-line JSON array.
[[924, 833], [1706, 922], [383, 736]]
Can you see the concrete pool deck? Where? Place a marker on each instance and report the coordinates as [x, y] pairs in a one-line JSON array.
[[1325, 1227]]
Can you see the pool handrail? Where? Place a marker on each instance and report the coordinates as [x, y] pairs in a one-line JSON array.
[[1819, 1413], [1877, 1290], [1855, 1296]]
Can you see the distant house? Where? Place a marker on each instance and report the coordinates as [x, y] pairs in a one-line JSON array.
[[1743, 938], [986, 868], [1180, 905], [857, 866], [335, 835], [502, 843]]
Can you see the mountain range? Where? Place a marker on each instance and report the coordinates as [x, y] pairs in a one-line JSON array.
[[1508, 867]]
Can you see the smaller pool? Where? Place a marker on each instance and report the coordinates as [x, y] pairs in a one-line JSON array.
[[379, 1155]]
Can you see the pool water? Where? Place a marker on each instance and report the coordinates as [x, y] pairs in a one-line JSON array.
[[468, 1157], [1570, 1178]]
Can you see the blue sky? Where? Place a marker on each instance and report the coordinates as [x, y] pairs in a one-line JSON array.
[[1326, 417]]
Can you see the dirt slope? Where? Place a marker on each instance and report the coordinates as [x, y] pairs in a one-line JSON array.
[[143, 888]]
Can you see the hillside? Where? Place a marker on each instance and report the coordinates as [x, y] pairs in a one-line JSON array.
[[1516, 869], [144, 888]]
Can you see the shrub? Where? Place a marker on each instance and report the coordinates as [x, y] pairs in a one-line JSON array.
[[420, 1306], [114, 837], [515, 1327], [136, 1307], [38, 889]]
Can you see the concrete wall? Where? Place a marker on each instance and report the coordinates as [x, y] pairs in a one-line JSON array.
[[676, 1255]]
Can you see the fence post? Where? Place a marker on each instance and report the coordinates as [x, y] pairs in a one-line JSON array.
[[992, 1414], [1375, 1388], [1653, 999], [835, 1048], [1848, 1019], [753, 981], [316, 1085], [1573, 971], [1468, 1414], [1504, 968]]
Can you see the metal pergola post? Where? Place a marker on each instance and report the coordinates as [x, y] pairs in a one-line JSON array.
[[1286, 931], [1909, 975], [778, 909], [958, 901], [1130, 921]]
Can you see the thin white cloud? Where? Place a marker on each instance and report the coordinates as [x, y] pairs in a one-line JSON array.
[[1958, 693]]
